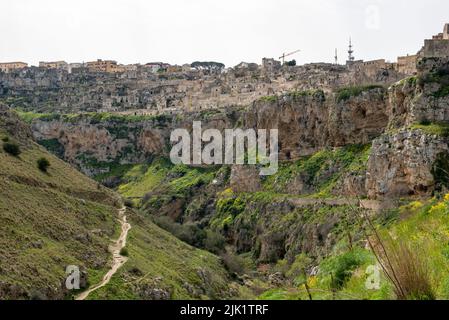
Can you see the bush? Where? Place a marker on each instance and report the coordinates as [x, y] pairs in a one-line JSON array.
[[11, 148], [340, 268], [406, 269], [298, 269], [214, 242], [129, 203], [233, 263], [43, 164], [425, 122], [188, 232], [124, 252], [344, 94]]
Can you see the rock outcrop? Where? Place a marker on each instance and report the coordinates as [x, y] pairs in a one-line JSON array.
[[403, 164], [310, 121]]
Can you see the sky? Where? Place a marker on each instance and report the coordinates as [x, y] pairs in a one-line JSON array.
[[227, 31]]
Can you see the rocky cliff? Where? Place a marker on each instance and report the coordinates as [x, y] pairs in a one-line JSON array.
[[307, 121]]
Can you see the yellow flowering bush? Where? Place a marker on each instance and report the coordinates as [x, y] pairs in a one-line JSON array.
[[446, 198]]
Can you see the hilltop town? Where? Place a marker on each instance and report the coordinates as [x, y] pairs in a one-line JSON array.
[[153, 88]]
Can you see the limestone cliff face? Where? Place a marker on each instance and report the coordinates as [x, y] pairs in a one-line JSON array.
[[245, 179], [403, 164], [423, 98], [87, 144], [93, 144], [308, 123]]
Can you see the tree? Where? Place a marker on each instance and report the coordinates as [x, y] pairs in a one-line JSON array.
[[43, 164], [291, 63]]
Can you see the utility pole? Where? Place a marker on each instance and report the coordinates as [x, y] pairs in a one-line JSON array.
[[336, 56]]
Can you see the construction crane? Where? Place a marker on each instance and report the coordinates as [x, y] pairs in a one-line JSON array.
[[287, 54]]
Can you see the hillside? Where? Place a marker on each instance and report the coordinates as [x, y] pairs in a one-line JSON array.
[[349, 154], [49, 220]]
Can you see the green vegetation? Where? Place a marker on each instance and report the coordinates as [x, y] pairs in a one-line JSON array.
[[441, 77], [54, 146], [269, 99], [124, 252], [440, 171], [50, 221], [30, 116], [93, 117], [139, 180], [314, 170], [438, 129], [345, 94], [338, 269], [160, 263], [411, 81], [43, 164], [317, 94], [44, 222], [417, 246], [12, 148]]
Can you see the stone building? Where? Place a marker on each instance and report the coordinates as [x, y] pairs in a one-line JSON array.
[[270, 65], [407, 64], [438, 46], [108, 66], [60, 65], [9, 66]]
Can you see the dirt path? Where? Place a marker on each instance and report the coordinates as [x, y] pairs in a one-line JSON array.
[[117, 259]]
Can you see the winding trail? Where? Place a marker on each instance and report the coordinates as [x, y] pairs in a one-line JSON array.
[[117, 259]]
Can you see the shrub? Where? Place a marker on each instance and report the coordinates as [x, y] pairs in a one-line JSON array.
[[129, 203], [405, 269], [233, 263], [299, 267], [344, 94], [425, 122], [214, 242], [43, 164], [340, 268], [440, 171], [188, 232], [11, 148], [5, 139], [124, 252]]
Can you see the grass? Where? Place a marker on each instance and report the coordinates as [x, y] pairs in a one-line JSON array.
[[141, 179], [45, 219], [296, 95], [159, 261], [314, 170], [59, 218], [93, 117], [419, 251], [438, 129], [345, 94]]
